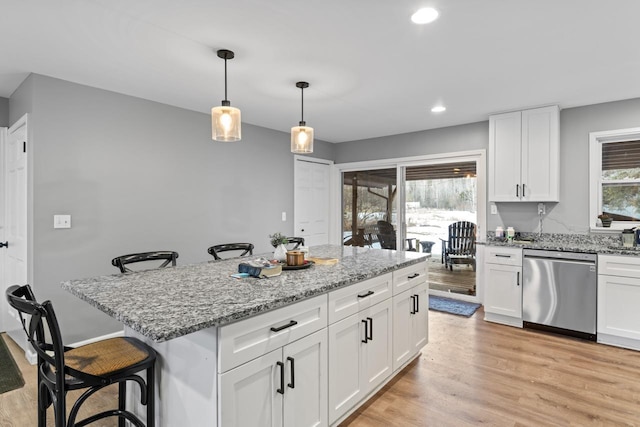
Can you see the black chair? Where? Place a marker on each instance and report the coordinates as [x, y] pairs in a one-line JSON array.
[[460, 247], [166, 256], [92, 366], [215, 250], [386, 235], [296, 241]]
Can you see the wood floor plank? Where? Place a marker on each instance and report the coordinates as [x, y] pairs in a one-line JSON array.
[[474, 372]]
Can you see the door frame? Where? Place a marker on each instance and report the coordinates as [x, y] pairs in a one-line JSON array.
[[479, 156], [3, 254]]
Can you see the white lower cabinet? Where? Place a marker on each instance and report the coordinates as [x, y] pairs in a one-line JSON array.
[[360, 356], [503, 285], [285, 387], [410, 323], [618, 301]]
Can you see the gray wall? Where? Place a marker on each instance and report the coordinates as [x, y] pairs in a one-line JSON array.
[[4, 112], [137, 176], [570, 215]]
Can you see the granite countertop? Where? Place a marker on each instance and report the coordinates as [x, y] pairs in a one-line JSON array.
[[597, 244], [171, 302]]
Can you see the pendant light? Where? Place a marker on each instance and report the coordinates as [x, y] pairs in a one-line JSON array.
[[225, 119], [302, 135]]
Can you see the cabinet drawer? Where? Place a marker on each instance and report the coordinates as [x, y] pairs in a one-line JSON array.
[[408, 277], [627, 266], [250, 338], [503, 256], [349, 300]]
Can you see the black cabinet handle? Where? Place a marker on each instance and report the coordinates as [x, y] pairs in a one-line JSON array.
[[366, 336], [366, 295], [370, 337], [288, 325], [417, 302], [292, 384], [517, 190], [413, 305], [413, 276], [518, 279], [281, 389], [523, 190], [4, 244], [502, 256]]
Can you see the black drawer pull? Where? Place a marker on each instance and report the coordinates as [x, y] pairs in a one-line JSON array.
[[370, 337], [413, 276], [292, 384], [366, 295], [281, 389], [366, 335], [288, 325], [502, 256]]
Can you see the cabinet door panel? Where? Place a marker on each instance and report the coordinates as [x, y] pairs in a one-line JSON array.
[[305, 397], [618, 302], [378, 350], [345, 366], [402, 325], [504, 156], [420, 321], [248, 395], [503, 290], [540, 154]]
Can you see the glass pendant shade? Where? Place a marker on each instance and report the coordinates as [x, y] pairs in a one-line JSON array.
[[225, 124], [302, 139], [225, 119]]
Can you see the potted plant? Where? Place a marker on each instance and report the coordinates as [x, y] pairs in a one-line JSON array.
[[279, 241], [606, 219]]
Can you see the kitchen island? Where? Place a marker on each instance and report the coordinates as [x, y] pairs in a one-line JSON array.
[[206, 326]]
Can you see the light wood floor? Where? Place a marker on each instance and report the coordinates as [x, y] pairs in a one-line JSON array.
[[18, 407], [474, 373], [471, 373]]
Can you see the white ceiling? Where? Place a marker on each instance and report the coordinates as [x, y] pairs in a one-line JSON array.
[[371, 71]]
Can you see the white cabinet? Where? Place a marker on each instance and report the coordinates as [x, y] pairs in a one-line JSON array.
[[618, 301], [273, 367], [503, 285], [285, 387], [524, 156], [360, 357], [410, 323]]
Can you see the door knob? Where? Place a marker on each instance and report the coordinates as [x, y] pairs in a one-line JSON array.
[[4, 244]]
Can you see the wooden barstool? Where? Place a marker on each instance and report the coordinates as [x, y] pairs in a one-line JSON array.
[[91, 367]]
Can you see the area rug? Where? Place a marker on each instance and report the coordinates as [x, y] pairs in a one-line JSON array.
[[10, 376], [447, 305]]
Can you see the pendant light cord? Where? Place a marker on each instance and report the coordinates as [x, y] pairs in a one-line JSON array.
[[302, 105], [225, 79]]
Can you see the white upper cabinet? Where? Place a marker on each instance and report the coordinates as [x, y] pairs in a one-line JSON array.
[[524, 154]]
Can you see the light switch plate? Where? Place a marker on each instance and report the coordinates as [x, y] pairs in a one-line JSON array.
[[284, 216], [62, 221]]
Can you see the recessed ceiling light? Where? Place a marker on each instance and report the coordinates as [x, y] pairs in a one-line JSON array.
[[425, 15], [438, 109]]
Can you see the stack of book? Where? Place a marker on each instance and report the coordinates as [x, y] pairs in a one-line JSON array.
[[260, 267]]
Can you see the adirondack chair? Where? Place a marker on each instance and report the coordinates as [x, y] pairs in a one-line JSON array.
[[460, 247]]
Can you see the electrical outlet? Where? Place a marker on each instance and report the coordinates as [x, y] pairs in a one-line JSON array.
[[542, 209], [494, 209], [62, 221], [284, 216]]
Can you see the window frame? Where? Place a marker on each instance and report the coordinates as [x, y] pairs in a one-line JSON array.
[[596, 140]]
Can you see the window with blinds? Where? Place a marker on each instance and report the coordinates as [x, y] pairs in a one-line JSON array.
[[620, 180]]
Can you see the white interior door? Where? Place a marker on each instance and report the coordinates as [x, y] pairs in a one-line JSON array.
[[312, 200], [15, 222]]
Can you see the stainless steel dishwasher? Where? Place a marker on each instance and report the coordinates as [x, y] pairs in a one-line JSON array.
[[559, 292]]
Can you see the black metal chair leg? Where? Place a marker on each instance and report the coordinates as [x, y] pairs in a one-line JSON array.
[[122, 398], [151, 397]]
